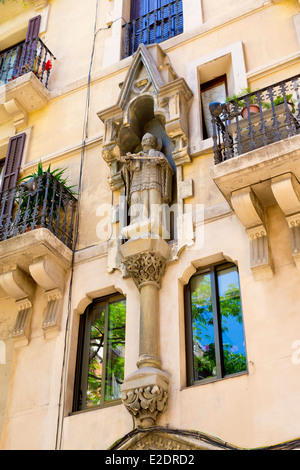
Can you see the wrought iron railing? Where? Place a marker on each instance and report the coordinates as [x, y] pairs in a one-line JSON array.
[[153, 27], [237, 128], [32, 56], [43, 202]]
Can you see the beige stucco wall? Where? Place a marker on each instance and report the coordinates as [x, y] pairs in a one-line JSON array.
[[255, 409]]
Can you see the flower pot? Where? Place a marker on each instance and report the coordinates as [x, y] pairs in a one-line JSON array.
[[253, 108]]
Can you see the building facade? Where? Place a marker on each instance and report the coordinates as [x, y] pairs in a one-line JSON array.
[[149, 224]]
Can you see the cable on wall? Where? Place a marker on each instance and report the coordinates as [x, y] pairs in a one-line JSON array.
[[61, 402]]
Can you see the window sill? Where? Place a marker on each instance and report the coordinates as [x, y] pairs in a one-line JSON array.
[[214, 380], [97, 407]]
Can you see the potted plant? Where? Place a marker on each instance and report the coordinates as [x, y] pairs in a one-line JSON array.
[[40, 187], [289, 99], [250, 104]]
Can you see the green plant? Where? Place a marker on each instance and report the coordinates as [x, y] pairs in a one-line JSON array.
[[289, 99], [243, 103], [45, 189], [24, 3]]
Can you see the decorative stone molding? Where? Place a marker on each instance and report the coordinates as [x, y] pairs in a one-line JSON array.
[[145, 395], [286, 190], [50, 276], [51, 321], [138, 256], [16, 283], [18, 112], [251, 213], [146, 267], [21, 330], [146, 403]]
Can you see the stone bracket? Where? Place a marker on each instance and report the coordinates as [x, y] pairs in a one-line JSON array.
[[18, 112], [16, 283], [145, 395], [48, 275], [286, 190], [21, 330], [52, 316], [251, 213]]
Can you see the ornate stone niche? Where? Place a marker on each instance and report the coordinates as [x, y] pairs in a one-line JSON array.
[[145, 146], [152, 99]]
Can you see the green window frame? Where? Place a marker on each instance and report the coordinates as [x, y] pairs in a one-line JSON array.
[[100, 354], [215, 340]]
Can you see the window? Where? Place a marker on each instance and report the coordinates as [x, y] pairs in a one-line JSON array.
[[152, 21], [100, 354], [213, 90], [214, 325], [22, 57]]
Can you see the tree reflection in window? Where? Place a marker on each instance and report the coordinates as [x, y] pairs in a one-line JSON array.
[[217, 341], [100, 358]]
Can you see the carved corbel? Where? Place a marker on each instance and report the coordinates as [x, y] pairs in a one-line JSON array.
[[21, 330], [51, 278], [52, 317], [18, 285], [18, 113], [251, 213], [286, 190]]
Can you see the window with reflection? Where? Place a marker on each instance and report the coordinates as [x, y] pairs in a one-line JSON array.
[[100, 354], [214, 325]]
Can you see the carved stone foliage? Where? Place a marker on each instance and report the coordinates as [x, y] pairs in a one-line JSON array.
[[160, 442], [146, 403], [146, 267]]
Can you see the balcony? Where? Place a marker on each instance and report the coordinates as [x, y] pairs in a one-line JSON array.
[[24, 75], [256, 120], [43, 202], [257, 164], [154, 27], [36, 243]]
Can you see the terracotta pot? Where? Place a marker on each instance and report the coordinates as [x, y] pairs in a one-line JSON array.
[[253, 108]]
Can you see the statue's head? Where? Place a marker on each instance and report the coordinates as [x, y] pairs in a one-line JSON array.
[[149, 141]]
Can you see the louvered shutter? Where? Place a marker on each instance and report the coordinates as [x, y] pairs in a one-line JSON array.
[[33, 28], [30, 46], [13, 162], [9, 180]]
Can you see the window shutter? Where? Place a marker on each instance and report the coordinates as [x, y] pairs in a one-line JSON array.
[[33, 28], [13, 162]]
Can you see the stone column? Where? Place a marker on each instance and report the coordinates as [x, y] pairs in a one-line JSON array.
[[145, 391]]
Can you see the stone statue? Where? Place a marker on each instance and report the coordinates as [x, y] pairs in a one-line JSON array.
[[148, 179]]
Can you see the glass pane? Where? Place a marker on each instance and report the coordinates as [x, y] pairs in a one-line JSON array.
[[234, 351], [93, 395], [216, 93], [204, 361], [115, 350]]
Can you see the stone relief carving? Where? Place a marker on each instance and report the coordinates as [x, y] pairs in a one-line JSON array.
[[145, 267], [145, 403]]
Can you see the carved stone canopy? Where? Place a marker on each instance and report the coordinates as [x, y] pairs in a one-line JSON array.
[[152, 99]]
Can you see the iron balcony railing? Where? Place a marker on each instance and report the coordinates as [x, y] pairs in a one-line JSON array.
[[32, 56], [256, 119], [153, 27], [43, 202]]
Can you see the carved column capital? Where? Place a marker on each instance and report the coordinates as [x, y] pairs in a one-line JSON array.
[[146, 403], [146, 267]]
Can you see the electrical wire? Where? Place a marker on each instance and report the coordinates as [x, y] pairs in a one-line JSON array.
[[61, 402], [200, 437]]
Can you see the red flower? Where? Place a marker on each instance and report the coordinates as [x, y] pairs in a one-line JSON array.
[[48, 65]]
